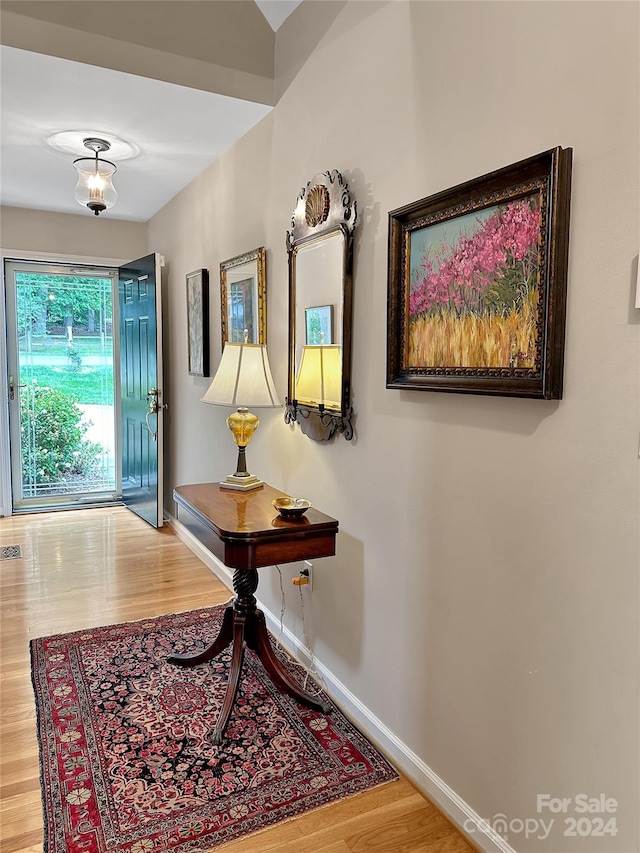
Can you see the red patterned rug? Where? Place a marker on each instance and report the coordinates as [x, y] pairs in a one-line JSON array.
[[127, 761]]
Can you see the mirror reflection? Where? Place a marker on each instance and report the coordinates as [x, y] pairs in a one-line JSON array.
[[318, 328]]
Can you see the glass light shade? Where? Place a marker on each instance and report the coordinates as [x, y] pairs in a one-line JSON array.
[[94, 188], [319, 380], [243, 378]]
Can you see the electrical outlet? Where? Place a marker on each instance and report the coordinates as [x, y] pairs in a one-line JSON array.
[[307, 571]]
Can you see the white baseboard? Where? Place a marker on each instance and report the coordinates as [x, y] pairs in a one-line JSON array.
[[470, 824]]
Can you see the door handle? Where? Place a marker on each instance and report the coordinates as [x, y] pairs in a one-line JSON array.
[[12, 388], [153, 395], [154, 403]]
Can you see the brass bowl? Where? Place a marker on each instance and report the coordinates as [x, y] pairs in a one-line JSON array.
[[291, 507]]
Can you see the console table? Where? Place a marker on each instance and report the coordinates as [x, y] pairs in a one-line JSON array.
[[246, 532]]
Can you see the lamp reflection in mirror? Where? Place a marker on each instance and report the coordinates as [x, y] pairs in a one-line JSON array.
[[319, 380], [243, 379]]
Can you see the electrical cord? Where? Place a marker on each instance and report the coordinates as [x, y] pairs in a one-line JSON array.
[[283, 607], [309, 672]]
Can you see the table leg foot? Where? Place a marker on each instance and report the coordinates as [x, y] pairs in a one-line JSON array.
[[237, 657], [221, 642], [276, 670]]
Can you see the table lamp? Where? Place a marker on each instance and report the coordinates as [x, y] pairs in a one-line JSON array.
[[243, 379], [319, 379]]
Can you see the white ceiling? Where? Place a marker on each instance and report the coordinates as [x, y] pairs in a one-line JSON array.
[[277, 11], [178, 131]]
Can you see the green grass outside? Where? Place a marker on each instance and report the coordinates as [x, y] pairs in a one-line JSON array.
[[58, 345], [87, 386]]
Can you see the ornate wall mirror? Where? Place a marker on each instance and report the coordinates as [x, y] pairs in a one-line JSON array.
[[319, 245]]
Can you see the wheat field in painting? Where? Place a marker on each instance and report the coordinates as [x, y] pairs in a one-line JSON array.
[[474, 289]]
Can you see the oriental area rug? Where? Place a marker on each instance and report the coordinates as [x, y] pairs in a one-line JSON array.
[[127, 759]]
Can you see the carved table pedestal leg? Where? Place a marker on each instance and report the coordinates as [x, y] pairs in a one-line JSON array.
[[243, 623]]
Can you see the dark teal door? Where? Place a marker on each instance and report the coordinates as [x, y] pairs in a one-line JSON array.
[[141, 387]]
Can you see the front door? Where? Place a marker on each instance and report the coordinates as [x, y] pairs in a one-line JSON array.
[[142, 405], [60, 373]]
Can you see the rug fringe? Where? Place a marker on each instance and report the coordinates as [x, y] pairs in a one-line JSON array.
[[135, 621]]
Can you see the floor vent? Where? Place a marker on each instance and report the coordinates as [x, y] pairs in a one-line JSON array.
[[11, 552]]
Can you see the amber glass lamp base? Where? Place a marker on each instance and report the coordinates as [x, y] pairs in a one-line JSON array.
[[242, 424]]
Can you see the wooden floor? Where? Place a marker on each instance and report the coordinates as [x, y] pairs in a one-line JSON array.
[[101, 566]]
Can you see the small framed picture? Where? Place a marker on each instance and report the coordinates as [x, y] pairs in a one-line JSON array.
[[319, 325], [198, 322], [243, 298]]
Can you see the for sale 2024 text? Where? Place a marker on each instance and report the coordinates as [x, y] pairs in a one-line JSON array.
[[590, 816]]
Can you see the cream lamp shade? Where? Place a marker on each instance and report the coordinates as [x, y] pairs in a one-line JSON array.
[[319, 380], [243, 379]]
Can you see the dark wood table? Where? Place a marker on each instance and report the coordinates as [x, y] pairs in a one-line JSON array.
[[246, 532]]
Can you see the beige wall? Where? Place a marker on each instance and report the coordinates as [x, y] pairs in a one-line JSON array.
[[65, 234], [484, 599], [223, 46]]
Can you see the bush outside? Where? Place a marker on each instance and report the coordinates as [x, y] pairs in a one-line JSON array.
[[52, 434]]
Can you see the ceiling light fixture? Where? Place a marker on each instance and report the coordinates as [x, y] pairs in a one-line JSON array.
[[94, 188]]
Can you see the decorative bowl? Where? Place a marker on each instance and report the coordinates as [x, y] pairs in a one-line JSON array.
[[291, 507]]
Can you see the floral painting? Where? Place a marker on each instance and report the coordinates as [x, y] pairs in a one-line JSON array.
[[474, 289], [477, 283]]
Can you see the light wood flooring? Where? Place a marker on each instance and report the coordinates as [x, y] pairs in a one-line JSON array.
[[102, 566]]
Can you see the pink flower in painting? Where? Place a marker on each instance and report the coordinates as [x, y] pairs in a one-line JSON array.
[[458, 277]]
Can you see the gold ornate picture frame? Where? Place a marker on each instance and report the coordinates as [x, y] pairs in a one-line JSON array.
[[243, 298]]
